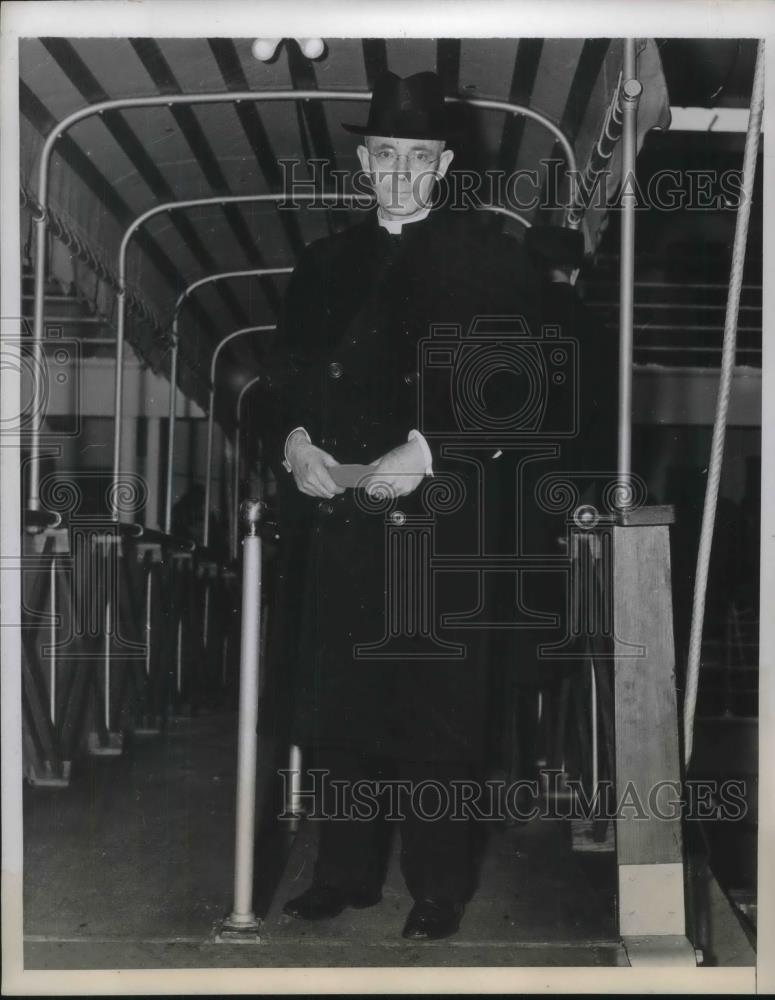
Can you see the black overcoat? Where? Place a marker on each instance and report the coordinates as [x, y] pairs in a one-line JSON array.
[[359, 626], [582, 472]]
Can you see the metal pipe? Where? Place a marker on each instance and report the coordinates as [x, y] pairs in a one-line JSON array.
[[33, 498], [206, 614], [211, 416], [171, 100], [595, 759], [242, 914], [122, 292], [179, 657], [170, 436], [106, 662], [168, 206], [148, 619], [78, 321], [235, 495], [53, 638], [182, 298], [500, 210], [293, 805], [518, 109], [243, 390], [631, 90]]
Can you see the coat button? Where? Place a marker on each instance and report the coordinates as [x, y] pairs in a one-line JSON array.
[[398, 517], [410, 378], [335, 370], [325, 507]]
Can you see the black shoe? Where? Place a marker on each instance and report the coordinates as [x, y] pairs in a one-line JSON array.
[[431, 919], [320, 902]]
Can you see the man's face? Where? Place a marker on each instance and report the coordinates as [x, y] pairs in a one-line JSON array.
[[403, 171]]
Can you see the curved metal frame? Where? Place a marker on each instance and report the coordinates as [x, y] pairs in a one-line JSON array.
[[268, 328], [235, 492], [631, 93], [182, 298], [170, 100], [121, 305]]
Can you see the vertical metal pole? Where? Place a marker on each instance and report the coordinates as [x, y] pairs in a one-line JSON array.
[[179, 656], [41, 220], [206, 610], [209, 461], [293, 806], [174, 360], [171, 435], [260, 481], [235, 516], [631, 90], [152, 450], [106, 661], [242, 916], [148, 605], [118, 392], [211, 418], [595, 757], [246, 387], [53, 639]]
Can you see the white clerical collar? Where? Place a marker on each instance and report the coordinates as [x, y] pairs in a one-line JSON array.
[[394, 225]]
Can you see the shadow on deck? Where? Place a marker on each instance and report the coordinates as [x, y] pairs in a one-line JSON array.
[[131, 867]]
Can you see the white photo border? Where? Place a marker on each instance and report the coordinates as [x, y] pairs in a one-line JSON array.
[[378, 18]]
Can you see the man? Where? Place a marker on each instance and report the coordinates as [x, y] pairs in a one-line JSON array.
[[381, 690]]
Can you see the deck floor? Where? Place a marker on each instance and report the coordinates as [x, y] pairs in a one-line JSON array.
[[131, 867]]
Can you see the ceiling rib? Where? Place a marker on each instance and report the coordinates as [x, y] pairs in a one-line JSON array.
[[81, 77], [588, 67], [375, 60], [303, 77], [526, 60], [226, 56], [150, 54], [44, 122], [448, 64]]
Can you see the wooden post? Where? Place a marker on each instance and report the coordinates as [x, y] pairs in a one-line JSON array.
[[649, 845]]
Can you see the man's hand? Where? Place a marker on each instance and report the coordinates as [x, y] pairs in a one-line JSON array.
[[309, 466], [399, 472]]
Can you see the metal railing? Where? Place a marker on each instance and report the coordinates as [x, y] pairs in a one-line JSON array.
[[123, 626], [677, 321], [233, 97], [157, 566]]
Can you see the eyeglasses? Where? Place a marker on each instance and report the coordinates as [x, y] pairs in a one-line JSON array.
[[418, 159]]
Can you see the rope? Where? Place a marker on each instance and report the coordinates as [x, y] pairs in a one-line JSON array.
[[722, 404]]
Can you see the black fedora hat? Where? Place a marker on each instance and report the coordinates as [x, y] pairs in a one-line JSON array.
[[409, 107]]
